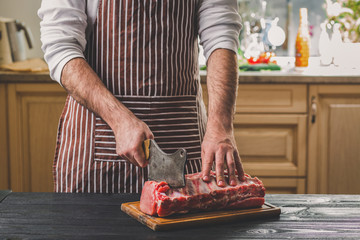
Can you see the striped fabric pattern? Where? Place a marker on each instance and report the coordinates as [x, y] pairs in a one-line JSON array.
[[145, 52]]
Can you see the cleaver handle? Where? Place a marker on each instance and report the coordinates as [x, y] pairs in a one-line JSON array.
[[146, 147]]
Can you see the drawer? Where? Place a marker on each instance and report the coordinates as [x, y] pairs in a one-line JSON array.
[[266, 98], [272, 145], [284, 185], [269, 98]]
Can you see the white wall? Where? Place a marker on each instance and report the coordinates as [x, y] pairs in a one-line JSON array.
[[26, 12]]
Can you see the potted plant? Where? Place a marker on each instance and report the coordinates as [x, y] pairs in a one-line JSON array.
[[347, 14]]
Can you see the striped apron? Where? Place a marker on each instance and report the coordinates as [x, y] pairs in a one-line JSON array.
[[146, 54]]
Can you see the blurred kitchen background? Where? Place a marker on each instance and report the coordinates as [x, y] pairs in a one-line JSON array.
[[297, 129], [25, 11], [272, 27], [286, 14], [273, 24]]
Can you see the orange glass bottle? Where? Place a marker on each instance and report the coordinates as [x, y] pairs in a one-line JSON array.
[[302, 41]]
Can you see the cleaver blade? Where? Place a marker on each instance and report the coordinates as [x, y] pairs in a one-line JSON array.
[[169, 168]]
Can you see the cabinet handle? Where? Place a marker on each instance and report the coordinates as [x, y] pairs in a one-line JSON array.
[[313, 109]]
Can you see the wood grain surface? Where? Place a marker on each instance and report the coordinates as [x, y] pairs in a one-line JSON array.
[[4, 131], [98, 216], [188, 220], [33, 119], [334, 140]]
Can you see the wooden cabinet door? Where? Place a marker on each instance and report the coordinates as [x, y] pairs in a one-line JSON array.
[[334, 139], [272, 145], [34, 111], [4, 157]]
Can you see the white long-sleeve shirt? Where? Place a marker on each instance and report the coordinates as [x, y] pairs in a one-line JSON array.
[[67, 24]]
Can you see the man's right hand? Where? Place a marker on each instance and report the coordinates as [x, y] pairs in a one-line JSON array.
[[83, 84], [129, 136]]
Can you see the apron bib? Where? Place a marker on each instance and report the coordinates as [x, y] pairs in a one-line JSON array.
[[146, 54]]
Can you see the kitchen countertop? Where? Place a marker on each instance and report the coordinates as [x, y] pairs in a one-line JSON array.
[[325, 75], [314, 75], [322, 76], [98, 216], [24, 77]]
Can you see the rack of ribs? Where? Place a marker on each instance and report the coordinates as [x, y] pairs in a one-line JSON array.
[[158, 199]]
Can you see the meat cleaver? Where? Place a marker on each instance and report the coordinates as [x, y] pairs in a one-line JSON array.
[[165, 167]]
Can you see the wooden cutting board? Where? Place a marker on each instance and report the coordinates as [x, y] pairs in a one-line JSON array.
[[197, 219]]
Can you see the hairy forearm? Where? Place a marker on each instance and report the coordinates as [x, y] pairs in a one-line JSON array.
[[219, 145], [222, 87], [82, 83], [84, 86]]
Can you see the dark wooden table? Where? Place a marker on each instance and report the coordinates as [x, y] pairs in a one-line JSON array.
[[96, 216]]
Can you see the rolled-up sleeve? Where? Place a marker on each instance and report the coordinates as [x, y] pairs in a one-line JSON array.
[[63, 24], [219, 25]]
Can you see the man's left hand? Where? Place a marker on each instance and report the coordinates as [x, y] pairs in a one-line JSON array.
[[219, 146]]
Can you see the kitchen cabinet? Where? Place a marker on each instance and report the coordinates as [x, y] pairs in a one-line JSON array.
[[277, 140], [334, 139], [270, 130], [33, 115]]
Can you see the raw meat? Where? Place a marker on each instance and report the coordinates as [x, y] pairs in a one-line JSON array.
[[158, 199]]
